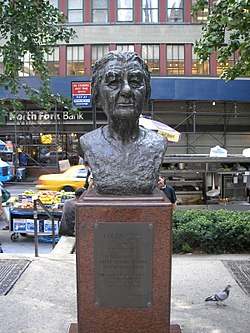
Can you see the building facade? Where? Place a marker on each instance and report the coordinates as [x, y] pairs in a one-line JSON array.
[[186, 95]]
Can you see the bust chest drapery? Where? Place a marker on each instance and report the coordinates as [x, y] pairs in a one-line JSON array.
[[119, 168]]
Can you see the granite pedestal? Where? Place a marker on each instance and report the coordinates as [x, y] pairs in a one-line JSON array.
[[123, 252]]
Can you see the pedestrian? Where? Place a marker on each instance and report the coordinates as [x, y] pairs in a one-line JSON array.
[[4, 196], [168, 190], [68, 219], [80, 160], [89, 178], [23, 159]]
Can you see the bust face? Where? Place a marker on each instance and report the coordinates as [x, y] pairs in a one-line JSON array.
[[122, 90]]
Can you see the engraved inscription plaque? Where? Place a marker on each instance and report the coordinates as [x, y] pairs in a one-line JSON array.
[[123, 264]]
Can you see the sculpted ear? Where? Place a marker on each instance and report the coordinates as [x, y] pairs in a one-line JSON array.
[[96, 98], [98, 103]]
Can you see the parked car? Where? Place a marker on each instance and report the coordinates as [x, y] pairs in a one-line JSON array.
[[68, 181], [6, 173]]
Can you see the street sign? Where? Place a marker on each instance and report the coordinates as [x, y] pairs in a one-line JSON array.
[[81, 94]]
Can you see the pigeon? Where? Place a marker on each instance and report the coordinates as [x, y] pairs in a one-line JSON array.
[[220, 296]]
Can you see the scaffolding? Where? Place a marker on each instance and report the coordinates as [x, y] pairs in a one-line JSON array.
[[202, 126]]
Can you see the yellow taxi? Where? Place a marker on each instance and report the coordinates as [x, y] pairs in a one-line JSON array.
[[68, 181]]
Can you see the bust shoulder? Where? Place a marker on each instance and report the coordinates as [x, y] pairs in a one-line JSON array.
[[92, 136], [154, 142], [154, 136]]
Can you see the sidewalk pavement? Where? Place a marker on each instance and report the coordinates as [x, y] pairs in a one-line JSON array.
[[43, 300]]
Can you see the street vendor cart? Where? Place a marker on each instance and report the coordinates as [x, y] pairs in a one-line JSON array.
[[37, 213], [22, 222]]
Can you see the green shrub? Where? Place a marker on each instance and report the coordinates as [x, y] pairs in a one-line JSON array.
[[207, 231]]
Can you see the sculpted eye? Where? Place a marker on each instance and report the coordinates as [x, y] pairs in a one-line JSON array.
[[135, 83], [113, 83], [136, 80], [112, 80]]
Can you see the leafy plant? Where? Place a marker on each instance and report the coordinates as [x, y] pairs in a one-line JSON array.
[[31, 27], [226, 31], [206, 231]]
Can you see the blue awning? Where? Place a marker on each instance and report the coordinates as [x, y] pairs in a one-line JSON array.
[[163, 88]]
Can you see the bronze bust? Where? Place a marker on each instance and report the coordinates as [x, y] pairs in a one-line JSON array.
[[125, 158]]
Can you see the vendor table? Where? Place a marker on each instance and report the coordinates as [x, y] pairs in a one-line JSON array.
[[22, 221]]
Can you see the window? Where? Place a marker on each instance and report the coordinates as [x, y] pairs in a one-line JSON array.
[[97, 51], [53, 62], [100, 11], [27, 66], [54, 3], [128, 47], [151, 55], [150, 9], [175, 11], [75, 11], [125, 10], [75, 60], [201, 16], [175, 59], [199, 68], [221, 66]]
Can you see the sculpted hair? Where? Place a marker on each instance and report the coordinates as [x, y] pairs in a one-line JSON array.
[[124, 57]]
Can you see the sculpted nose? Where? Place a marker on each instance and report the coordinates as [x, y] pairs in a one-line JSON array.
[[125, 91]]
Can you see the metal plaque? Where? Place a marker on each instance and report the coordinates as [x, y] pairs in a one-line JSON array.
[[123, 264]]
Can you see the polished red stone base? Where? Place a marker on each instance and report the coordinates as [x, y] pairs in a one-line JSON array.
[[94, 209], [73, 328], [175, 328]]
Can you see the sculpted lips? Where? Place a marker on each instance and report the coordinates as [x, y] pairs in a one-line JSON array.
[[125, 105]]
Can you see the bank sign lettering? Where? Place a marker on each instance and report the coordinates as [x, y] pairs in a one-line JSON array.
[[44, 117], [81, 94]]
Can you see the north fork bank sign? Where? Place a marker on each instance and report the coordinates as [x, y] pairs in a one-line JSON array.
[[34, 117]]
